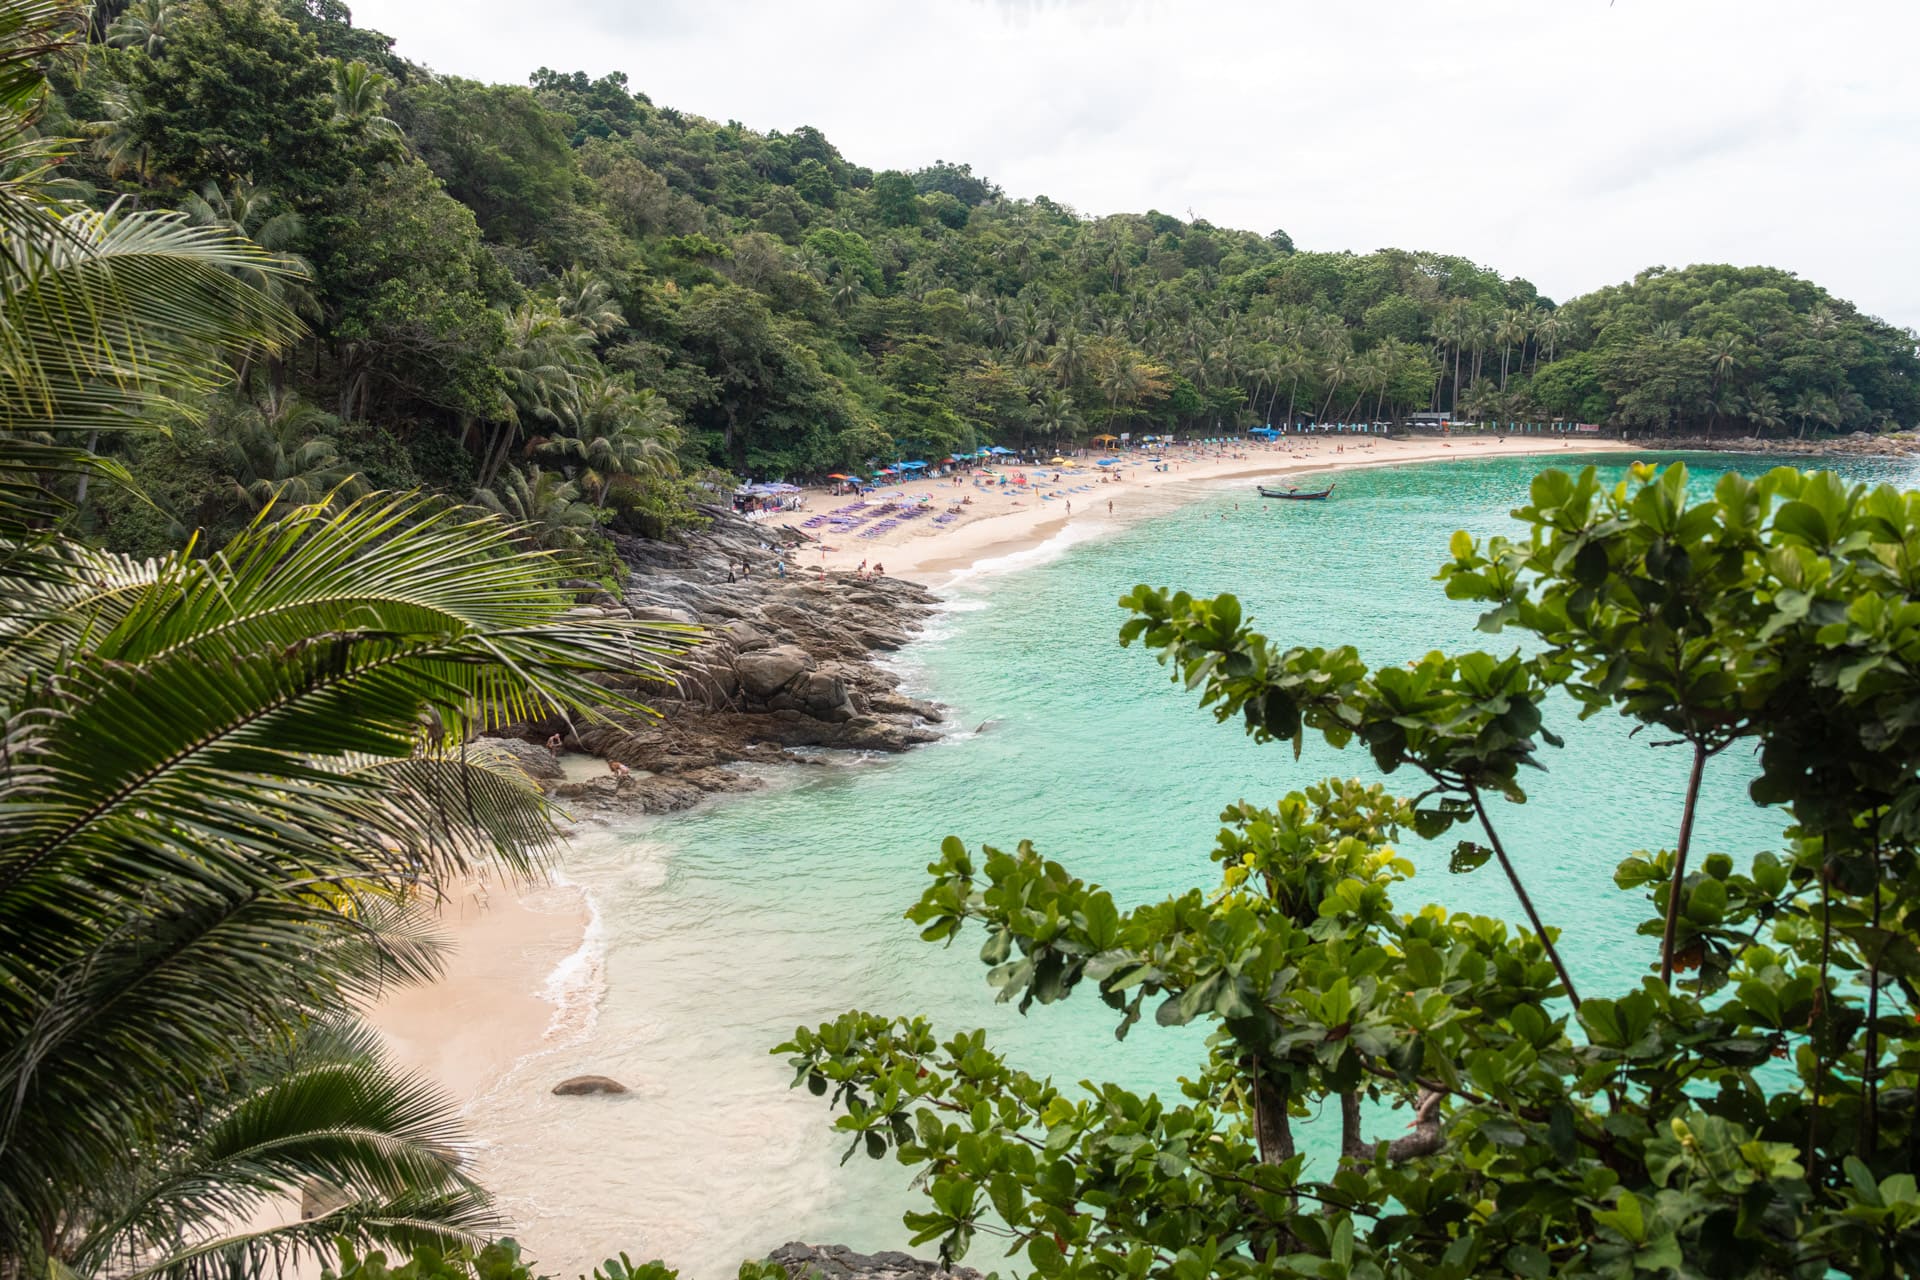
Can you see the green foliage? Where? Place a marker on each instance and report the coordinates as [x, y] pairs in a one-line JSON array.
[[768, 291], [1749, 1112], [237, 90], [498, 1260]]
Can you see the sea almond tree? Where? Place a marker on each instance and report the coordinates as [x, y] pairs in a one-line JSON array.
[[1746, 1109]]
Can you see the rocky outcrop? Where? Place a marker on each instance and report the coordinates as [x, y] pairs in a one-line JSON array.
[[533, 758], [1863, 444], [783, 663], [837, 1262], [575, 1086]]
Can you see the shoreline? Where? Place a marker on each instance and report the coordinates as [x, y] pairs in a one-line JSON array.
[[513, 947], [1010, 521]]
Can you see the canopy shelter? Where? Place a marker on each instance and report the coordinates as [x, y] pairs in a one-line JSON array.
[[998, 452], [1263, 431], [836, 475], [913, 466], [1104, 439]]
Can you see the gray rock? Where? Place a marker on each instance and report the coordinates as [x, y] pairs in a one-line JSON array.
[[534, 760], [837, 1262], [656, 613], [765, 673], [578, 1085]]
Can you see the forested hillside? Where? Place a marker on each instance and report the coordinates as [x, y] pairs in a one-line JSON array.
[[566, 301]]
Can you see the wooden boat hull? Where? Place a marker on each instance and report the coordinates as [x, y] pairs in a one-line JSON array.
[[1294, 495]]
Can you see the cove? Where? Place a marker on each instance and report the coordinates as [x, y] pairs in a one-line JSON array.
[[719, 930]]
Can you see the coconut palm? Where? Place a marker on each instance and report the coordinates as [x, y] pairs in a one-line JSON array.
[[618, 433], [546, 357], [545, 502], [254, 214], [360, 99], [105, 317], [587, 300], [282, 451], [1068, 359], [1511, 329], [232, 783], [143, 26], [847, 288]]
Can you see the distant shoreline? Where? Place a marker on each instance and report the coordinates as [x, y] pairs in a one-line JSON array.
[[1009, 520]]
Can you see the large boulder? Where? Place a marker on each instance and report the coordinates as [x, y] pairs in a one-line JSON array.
[[531, 758], [837, 1262], [766, 672]]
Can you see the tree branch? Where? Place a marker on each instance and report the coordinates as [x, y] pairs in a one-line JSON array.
[[1526, 902], [1700, 754], [1424, 1139]]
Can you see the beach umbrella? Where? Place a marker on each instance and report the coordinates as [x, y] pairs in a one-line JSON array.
[[837, 476]]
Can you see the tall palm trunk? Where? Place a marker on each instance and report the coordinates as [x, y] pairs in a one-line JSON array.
[[1454, 406], [1290, 390], [80, 486]]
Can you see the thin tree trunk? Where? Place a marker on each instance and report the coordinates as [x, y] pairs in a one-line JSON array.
[[1290, 390], [1526, 900], [80, 486], [1680, 864], [1454, 408]]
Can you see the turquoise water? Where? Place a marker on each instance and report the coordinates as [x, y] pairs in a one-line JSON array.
[[721, 929]]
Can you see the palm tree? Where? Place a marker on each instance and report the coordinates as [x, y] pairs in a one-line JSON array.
[[546, 357], [143, 26], [360, 99], [1512, 328], [233, 784], [281, 451], [587, 300], [1069, 358], [618, 433], [1294, 365], [87, 298], [1334, 370], [1552, 327], [545, 502], [848, 288]]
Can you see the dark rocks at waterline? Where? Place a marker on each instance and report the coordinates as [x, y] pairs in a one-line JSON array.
[[837, 1262], [784, 663], [581, 1086]]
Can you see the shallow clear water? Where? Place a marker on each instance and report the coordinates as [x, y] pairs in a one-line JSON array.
[[720, 930]]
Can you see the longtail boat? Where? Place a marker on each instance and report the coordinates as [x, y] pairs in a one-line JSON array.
[[1294, 495]]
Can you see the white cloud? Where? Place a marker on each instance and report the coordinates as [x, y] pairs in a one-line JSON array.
[[1573, 142]]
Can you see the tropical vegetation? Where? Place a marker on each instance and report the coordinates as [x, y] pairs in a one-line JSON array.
[[237, 777], [568, 276], [1746, 1109]]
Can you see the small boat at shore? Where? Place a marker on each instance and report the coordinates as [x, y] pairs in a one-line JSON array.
[[1294, 495]]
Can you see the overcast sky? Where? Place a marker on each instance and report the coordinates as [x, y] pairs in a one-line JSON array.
[[1572, 142]]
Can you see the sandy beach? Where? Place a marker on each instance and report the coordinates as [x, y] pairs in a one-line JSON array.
[[496, 1003], [995, 520]]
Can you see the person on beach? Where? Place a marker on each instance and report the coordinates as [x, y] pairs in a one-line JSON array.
[[619, 771], [553, 744], [1109, 506], [879, 570], [1069, 506]]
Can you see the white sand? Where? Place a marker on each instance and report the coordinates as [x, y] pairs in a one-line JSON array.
[[467, 1030], [1002, 519]]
